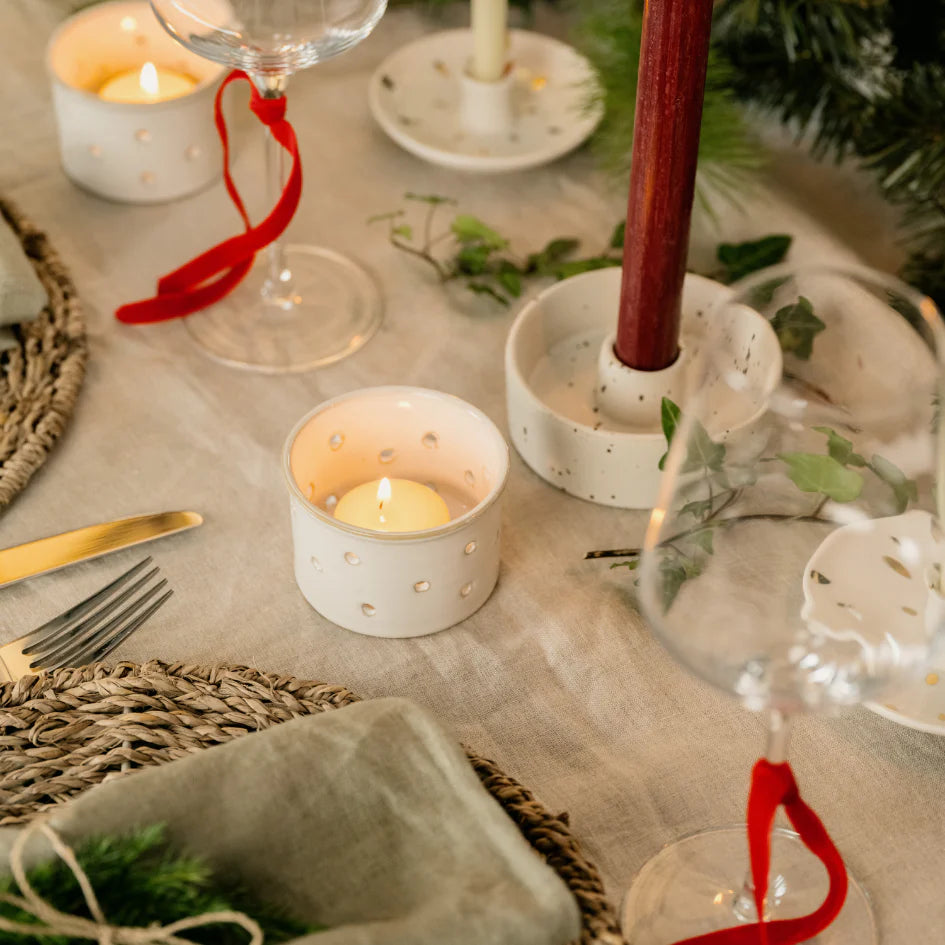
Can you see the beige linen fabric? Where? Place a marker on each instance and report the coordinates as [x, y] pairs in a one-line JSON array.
[[557, 677], [369, 821]]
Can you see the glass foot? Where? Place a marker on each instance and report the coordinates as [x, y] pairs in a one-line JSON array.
[[332, 309], [695, 886]]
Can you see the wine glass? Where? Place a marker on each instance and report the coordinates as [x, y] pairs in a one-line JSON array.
[[793, 558], [299, 306]]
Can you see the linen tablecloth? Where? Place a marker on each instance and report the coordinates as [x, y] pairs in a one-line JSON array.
[[557, 676]]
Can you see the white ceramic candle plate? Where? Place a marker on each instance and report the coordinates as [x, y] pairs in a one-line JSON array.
[[422, 98], [870, 581]]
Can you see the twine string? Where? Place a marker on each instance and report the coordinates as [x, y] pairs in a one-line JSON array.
[[51, 921]]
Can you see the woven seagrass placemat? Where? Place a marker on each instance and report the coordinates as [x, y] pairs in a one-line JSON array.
[[41, 377], [62, 732]]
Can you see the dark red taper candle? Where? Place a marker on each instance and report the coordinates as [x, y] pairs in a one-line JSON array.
[[670, 89]]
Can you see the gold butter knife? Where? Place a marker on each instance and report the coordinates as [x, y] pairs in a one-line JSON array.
[[57, 551]]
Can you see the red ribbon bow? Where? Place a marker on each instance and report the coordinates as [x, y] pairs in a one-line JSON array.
[[771, 786], [188, 289]]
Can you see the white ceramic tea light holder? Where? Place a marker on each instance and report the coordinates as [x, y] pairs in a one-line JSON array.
[[424, 97], [133, 152], [396, 584], [589, 424]]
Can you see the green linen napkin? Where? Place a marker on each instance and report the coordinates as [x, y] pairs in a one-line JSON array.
[[368, 820], [22, 295]]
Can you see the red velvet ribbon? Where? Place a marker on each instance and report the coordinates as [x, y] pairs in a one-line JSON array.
[[189, 288], [771, 786]]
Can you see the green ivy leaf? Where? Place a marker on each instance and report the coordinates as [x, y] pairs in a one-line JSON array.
[[840, 448], [703, 540], [698, 508], [405, 230], [575, 267], [630, 565], [763, 293], [796, 325], [741, 259], [483, 288], [509, 278], [669, 420], [672, 577], [703, 451], [814, 472], [469, 229], [619, 235], [432, 199], [904, 489], [473, 260], [545, 263]]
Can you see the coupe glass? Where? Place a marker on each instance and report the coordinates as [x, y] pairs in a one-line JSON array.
[[299, 306], [793, 558]]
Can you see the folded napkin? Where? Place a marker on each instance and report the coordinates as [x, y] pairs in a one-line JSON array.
[[368, 820], [22, 296]]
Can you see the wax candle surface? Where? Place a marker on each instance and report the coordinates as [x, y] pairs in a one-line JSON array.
[[392, 505], [148, 84], [490, 39]]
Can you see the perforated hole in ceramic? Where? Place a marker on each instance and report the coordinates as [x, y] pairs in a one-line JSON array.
[[192, 152], [352, 558], [466, 589], [470, 547], [95, 150], [387, 455], [431, 441], [330, 502], [148, 178], [143, 136], [421, 587], [369, 610], [336, 441], [315, 563], [470, 477]]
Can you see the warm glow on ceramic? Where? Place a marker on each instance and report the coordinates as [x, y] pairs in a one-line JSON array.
[[150, 83], [393, 505]]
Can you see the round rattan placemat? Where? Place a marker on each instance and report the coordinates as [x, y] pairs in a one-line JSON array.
[[62, 732], [41, 377]]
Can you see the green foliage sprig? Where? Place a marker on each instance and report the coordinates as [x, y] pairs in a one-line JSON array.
[[474, 252], [139, 881], [836, 475]]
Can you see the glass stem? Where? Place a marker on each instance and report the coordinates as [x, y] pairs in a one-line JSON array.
[[279, 282], [780, 727]]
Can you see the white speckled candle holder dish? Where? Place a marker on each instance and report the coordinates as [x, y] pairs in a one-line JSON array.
[[396, 584], [130, 152], [589, 424], [425, 100]]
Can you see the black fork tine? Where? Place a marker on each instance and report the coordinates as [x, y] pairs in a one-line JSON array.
[[64, 654], [89, 604], [126, 632], [71, 630]]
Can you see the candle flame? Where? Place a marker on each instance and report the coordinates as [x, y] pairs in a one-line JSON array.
[[148, 79], [383, 492]]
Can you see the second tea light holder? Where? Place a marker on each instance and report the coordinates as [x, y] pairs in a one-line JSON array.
[[396, 584]]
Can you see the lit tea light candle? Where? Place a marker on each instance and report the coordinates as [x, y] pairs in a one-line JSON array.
[[150, 83], [393, 505], [490, 39]]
